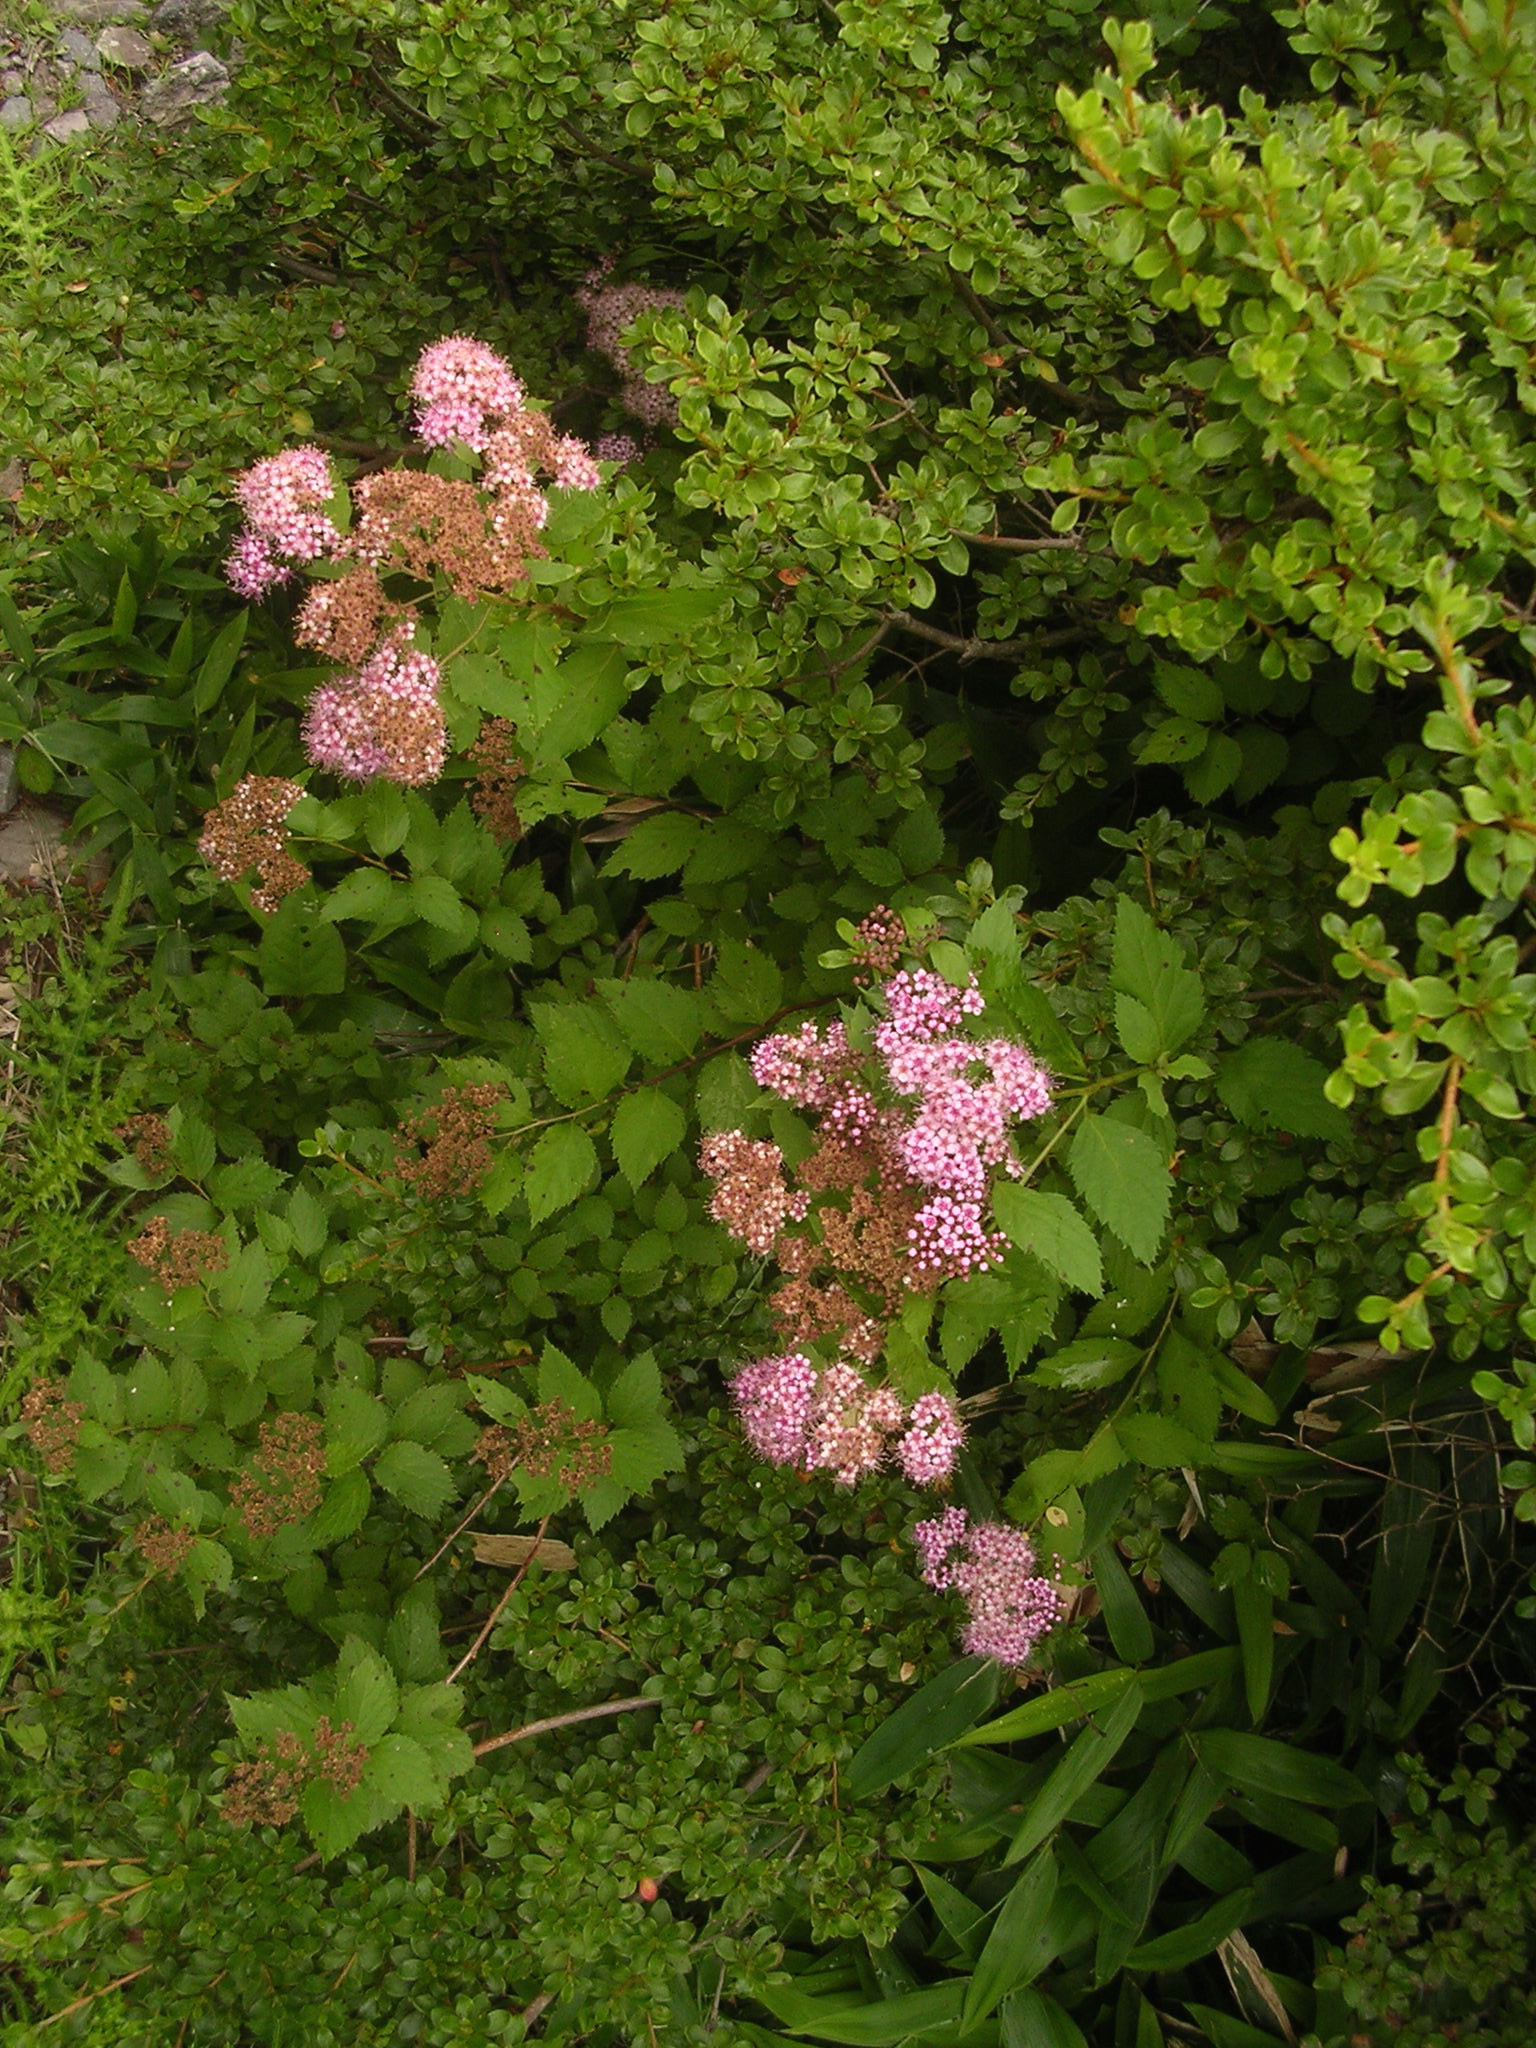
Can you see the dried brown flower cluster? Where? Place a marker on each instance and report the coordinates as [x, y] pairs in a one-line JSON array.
[[860, 1230], [436, 525], [491, 792], [53, 1424], [148, 1139], [246, 832], [162, 1547], [283, 1483], [548, 1442], [348, 618], [751, 1197], [177, 1258], [266, 1793], [456, 1141], [880, 941]]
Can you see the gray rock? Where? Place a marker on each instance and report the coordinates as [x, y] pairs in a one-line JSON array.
[[16, 112], [101, 108], [65, 127], [76, 49], [197, 81], [12, 81], [126, 47], [13, 479], [189, 21], [9, 787], [93, 13]]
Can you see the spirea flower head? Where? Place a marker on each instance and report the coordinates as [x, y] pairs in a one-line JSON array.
[[461, 386], [935, 1433], [384, 721], [619, 448], [251, 569], [774, 1397], [949, 1241], [1010, 1607], [281, 497], [808, 1067], [922, 1005]]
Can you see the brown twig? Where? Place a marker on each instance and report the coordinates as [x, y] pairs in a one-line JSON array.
[[475, 1647], [79, 2004], [1014, 544], [970, 648], [562, 1721]]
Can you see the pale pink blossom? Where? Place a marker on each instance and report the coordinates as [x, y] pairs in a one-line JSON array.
[[935, 1434]]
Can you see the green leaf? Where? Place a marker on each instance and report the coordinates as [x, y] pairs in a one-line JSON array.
[[1271, 1084], [413, 1640], [400, 1772], [584, 1055], [1155, 1440], [219, 663], [917, 2016], [746, 986], [1049, 1227], [652, 618], [366, 1692], [1032, 2019], [334, 1823], [1175, 741], [1122, 1175], [1087, 1364], [1256, 1764], [343, 1510], [659, 845], [416, 1477], [365, 893], [1124, 1616], [648, 1127], [436, 902], [560, 1380], [1186, 1944], [1255, 1610], [1083, 1696], [1087, 1759], [1149, 966], [1013, 1952], [1215, 770], [924, 1724], [662, 1023], [1188, 691], [299, 954], [559, 1168], [593, 682]]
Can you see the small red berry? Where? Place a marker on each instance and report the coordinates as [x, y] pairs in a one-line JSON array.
[[648, 1889]]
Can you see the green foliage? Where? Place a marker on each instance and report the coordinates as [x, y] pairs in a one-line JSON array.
[[1081, 490], [1448, 1956]]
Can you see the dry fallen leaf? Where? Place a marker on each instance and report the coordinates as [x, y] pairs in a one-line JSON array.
[[515, 1550]]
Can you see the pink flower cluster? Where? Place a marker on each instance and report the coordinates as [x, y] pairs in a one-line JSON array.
[[386, 720], [460, 386], [610, 308], [281, 497], [1009, 1605], [832, 1420], [970, 1092]]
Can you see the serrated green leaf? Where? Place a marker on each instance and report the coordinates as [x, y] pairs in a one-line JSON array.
[[585, 1056], [662, 1023], [1122, 1175], [560, 1380], [343, 1510], [647, 1128], [365, 893], [1149, 966], [298, 954], [1048, 1227], [413, 1640], [415, 1476], [1188, 691], [559, 1168], [366, 1692], [1271, 1084]]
